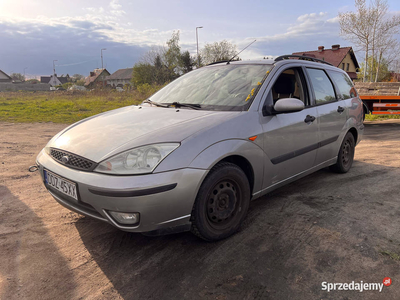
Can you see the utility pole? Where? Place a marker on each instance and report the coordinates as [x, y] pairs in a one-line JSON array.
[[24, 72], [54, 67], [197, 41], [102, 57], [54, 72]]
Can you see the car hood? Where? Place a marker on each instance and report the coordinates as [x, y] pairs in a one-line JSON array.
[[106, 134]]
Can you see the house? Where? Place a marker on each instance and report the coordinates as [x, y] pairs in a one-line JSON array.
[[120, 77], [343, 58], [97, 77], [54, 80], [4, 77]]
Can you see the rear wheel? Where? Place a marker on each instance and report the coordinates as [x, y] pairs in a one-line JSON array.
[[346, 155], [222, 203]]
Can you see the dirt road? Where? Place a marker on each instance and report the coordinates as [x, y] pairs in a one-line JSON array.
[[325, 227]]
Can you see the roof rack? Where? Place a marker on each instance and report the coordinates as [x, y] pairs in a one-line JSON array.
[[302, 57]]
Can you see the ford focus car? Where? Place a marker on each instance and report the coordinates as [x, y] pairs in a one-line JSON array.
[[193, 155]]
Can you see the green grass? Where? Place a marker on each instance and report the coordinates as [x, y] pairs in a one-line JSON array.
[[371, 117], [68, 107], [62, 106], [392, 255]]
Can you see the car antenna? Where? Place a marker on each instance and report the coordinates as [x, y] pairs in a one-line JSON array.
[[240, 52]]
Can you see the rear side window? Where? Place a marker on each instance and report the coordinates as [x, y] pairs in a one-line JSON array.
[[344, 84], [322, 86]]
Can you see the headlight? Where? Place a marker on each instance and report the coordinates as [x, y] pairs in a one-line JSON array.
[[140, 160]]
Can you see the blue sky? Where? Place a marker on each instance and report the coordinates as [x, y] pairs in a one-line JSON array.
[[33, 33]]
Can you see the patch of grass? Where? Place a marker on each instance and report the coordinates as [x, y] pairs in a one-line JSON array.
[[371, 117], [62, 106], [392, 255]]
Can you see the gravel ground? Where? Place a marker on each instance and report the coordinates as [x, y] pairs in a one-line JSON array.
[[325, 227]]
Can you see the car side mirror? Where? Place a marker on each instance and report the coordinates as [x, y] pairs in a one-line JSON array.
[[288, 105]]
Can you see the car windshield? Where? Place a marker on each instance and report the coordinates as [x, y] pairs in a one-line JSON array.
[[219, 87]]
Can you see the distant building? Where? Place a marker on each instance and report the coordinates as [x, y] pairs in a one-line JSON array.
[[120, 78], [4, 77], [54, 80], [97, 77], [343, 58]]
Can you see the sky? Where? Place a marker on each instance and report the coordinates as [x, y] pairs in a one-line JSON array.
[[33, 33]]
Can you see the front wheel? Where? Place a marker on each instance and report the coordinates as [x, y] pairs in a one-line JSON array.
[[222, 203], [346, 155]]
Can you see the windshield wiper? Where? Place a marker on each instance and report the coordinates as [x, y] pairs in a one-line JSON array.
[[155, 103], [190, 105]]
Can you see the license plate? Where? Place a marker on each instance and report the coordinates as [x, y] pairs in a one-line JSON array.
[[61, 184]]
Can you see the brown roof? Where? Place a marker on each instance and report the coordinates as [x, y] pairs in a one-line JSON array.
[[122, 74], [352, 75], [334, 57], [94, 75]]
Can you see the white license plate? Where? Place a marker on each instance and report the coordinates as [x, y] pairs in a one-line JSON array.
[[61, 184]]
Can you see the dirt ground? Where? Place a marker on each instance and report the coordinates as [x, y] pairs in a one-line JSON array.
[[325, 227]]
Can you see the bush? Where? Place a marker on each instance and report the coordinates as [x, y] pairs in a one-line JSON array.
[[146, 90]]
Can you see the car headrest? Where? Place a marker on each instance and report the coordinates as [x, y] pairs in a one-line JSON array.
[[285, 84]]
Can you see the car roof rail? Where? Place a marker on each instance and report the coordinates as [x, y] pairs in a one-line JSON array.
[[218, 62], [302, 57]]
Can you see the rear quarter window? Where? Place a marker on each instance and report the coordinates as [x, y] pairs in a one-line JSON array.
[[344, 84]]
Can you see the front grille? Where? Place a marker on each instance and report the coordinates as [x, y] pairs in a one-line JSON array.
[[72, 160]]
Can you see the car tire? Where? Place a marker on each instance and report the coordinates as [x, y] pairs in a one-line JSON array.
[[345, 156], [221, 203]]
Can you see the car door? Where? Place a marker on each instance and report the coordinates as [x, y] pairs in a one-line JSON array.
[[289, 139], [331, 114]]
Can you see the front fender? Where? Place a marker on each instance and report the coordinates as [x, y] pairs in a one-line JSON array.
[[213, 154]]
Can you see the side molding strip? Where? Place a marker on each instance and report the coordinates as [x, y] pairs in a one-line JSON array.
[[290, 155]]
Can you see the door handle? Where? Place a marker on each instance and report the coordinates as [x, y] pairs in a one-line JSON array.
[[309, 119], [340, 109]]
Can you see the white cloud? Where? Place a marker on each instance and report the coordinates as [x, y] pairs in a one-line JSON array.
[[333, 20], [310, 31], [116, 8]]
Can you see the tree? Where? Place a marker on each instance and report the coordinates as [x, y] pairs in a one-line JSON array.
[[379, 73], [162, 64], [371, 29], [218, 51], [17, 76], [143, 73], [187, 62], [173, 53], [77, 77]]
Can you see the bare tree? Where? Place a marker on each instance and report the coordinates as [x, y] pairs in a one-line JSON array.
[[155, 53], [17, 76], [356, 27], [218, 51], [371, 29]]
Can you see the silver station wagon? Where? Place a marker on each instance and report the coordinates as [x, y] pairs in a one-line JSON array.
[[192, 156]]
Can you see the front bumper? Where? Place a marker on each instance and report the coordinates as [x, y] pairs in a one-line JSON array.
[[164, 200]]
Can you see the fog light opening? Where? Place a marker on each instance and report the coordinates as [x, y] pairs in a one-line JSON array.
[[125, 218]]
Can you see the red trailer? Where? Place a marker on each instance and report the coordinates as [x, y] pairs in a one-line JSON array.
[[382, 105]]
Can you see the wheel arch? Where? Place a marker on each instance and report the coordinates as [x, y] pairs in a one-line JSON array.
[[354, 132], [246, 155], [244, 164]]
